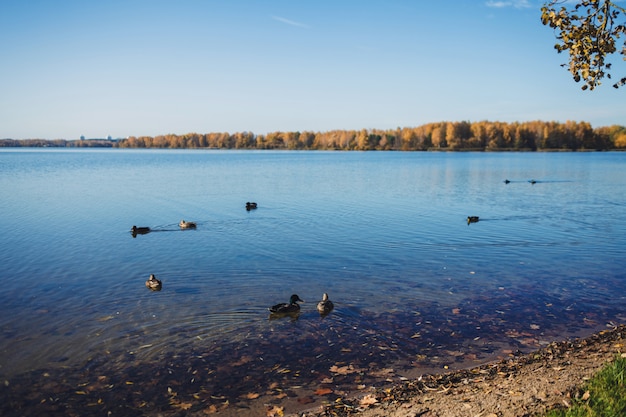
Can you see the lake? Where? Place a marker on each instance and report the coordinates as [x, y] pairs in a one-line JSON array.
[[416, 288]]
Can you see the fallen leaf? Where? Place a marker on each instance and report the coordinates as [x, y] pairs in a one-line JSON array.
[[252, 395], [368, 400], [342, 370], [382, 372], [456, 310], [212, 409], [586, 396], [182, 406], [242, 361], [535, 326], [275, 411], [323, 391]]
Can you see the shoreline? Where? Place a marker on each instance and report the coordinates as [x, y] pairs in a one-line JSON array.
[[519, 386]]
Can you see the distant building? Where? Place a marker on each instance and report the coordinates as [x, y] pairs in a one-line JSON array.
[[109, 137], [82, 137]]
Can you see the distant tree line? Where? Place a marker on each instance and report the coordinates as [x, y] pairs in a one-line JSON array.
[[57, 143], [483, 135], [453, 136]]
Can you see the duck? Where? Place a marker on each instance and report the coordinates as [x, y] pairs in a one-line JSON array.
[[533, 181], [325, 306], [153, 283], [472, 219], [287, 308], [507, 181], [139, 230], [251, 206], [187, 225]]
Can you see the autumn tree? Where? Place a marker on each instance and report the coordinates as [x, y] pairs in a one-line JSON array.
[[438, 136], [589, 32], [620, 139]]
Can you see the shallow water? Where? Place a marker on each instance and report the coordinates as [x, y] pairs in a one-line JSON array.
[[385, 234]]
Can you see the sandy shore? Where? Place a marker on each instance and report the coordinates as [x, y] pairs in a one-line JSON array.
[[523, 385]]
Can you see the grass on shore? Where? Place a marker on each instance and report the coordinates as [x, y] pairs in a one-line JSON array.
[[604, 395]]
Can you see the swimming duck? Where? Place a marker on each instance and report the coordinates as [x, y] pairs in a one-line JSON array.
[[139, 230], [533, 181], [153, 283], [325, 306], [507, 181], [187, 225], [250, 206], [472, 219], [286, 308]]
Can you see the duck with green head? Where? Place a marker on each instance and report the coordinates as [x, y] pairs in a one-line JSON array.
[[472, 219], [139, 231], [287, 308]]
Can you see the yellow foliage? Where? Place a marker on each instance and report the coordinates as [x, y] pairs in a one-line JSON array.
[[620, 140]]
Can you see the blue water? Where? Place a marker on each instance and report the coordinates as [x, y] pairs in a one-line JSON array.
[[383, 233]]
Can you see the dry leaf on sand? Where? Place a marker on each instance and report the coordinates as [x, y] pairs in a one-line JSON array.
[[368, 400], [275, 411]]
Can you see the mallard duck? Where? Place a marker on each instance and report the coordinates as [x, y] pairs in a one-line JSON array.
[[325, 306], [472, 219], [250, 206], [139, 230], [286, 308], [153, 283], [187, 225]]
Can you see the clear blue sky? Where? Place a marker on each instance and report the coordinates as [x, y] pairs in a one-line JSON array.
[[150, 67]]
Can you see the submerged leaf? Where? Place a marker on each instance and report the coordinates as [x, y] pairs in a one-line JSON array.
[[183, 406], [343, 370], [323, 391]]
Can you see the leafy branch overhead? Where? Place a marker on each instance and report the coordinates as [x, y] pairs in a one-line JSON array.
[[590, 33]]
